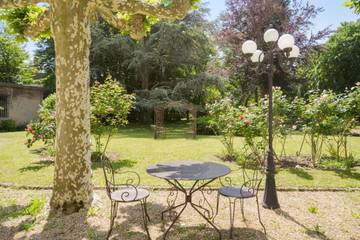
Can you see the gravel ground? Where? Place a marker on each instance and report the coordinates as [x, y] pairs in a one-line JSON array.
[[303, 215]]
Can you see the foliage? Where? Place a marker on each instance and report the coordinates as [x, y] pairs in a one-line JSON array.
[[325, 117], [248, 19], [172, 59], [7, 125], [44, 60], [329, 116], [18, 20], [353, 4], [230, 121], [204, 126], [223, 115], [110, 106], [12, 62], [45, 128], [335, 66]]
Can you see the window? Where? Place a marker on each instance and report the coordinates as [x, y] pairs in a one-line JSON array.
[[3, 107]]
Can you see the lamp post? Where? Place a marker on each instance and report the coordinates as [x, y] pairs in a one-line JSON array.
[[276, 49]]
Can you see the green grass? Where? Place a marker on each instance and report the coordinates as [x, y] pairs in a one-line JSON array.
[[137, 150]]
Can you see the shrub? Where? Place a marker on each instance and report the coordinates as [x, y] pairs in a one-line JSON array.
[[110, 106], [230, 121], [204, 126], [223, 119], [45, 128], [7, 125]]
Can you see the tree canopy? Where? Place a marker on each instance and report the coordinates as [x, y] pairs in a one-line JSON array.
[[353, 4], [13, 68], [248, 20], [336, 65]]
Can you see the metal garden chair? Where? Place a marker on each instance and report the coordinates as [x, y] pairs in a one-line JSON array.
[[252, 179], [126, 191]]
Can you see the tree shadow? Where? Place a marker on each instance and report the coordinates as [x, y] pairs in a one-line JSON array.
[[118, 164], [301, 173], [207, 233], [36, 166], [38, 151], [353, 174], [13, 211], [73, 226], [132, 216], [308, 231], [129, 222]]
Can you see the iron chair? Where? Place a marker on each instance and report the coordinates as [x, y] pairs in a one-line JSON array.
[[126, 192], [249, 189]]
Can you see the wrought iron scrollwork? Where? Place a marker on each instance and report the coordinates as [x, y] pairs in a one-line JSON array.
[[203, 203], [172, 197]]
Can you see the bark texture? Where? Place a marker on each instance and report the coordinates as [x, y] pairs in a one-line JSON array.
[[71, 31]]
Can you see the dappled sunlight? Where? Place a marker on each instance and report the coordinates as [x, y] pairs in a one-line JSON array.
[[292, 221]]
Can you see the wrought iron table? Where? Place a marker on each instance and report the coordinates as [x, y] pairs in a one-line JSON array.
[[202, 173]]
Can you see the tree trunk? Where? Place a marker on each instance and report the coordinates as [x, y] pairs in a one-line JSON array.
[[72, 179]]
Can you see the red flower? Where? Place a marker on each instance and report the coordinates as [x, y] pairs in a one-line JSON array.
[[247, 122], [242, 117]]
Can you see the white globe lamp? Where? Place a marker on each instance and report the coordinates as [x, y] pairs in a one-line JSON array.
[[271, 35], [249, 47], [295, 52], [286, 41], [257, 57]]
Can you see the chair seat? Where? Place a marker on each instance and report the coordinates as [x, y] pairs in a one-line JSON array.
[[129, 194], [236, 192]]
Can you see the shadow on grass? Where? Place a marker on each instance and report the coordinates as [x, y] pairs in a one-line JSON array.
[[36, 166], [118, 164], [314, 233], [301, 173], [353, 174], [38, 151]]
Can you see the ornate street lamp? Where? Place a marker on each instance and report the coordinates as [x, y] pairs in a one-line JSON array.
[[276, 49]]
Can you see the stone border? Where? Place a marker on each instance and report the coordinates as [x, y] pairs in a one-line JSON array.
[[161, 188]]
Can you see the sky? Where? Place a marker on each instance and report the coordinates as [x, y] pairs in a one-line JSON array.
[[334, 13]]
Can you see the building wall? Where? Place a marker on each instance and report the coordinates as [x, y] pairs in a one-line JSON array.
[[23, 103]]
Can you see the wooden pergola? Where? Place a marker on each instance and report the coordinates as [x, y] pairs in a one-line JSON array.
[[159, 115]]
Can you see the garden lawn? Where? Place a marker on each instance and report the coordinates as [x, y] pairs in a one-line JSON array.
[[136, 150]]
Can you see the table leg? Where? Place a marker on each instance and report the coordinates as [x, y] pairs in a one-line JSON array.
[[169, 209], [207, 219], [174, 221], [188, 199]]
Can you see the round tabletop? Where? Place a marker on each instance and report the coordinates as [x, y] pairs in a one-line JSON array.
[[188, 170]]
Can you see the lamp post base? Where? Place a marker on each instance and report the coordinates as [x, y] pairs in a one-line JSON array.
[[270, 200]]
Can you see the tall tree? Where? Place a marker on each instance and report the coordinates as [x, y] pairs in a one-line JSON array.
[[336, 65], [12, 61], [69, 22], [249, 19], [44, 60]]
